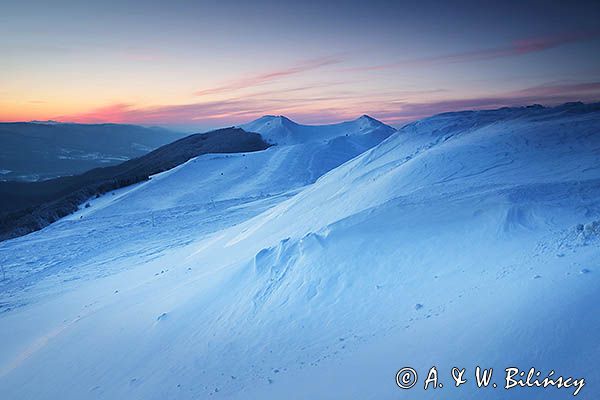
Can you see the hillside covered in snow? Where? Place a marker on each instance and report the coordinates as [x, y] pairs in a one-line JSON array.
[[283, 131], [29, 206], [319, 267]]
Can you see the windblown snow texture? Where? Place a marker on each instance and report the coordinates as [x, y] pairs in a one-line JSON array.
[[463, 239]]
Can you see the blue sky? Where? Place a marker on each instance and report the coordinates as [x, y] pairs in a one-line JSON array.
[[198, 65]]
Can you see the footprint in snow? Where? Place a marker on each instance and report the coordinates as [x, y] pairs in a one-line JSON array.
[[162, 317], [418, 306]]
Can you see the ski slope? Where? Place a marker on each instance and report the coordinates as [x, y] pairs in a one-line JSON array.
[[463, 239]]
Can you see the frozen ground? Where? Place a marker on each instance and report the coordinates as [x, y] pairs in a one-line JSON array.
[[464, 239]]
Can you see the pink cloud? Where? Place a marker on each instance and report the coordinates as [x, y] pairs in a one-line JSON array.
[[327, 109], [220, 112], [532, 45], [517, 48], [270, 76], [551, 94]]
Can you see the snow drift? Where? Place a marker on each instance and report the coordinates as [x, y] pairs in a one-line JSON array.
[[463, 239]]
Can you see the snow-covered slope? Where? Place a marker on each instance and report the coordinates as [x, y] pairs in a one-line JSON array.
[[464, 239], [283, 131], [205, 194]]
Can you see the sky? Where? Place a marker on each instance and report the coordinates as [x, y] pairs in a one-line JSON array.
[[198, 65]]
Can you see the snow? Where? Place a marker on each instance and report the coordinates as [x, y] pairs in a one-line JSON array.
[[204, 195], [283, 131], [463, 239]]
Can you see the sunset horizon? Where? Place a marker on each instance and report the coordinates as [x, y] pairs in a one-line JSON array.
[[198, 66]]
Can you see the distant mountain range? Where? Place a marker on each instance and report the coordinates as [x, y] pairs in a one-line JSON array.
[[38, 150]]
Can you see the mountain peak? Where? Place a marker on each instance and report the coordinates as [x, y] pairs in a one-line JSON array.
[[369, 119], [270, 117], [278, 129]]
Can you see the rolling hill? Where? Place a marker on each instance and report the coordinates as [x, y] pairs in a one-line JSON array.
[[283, 131], [29, 206]]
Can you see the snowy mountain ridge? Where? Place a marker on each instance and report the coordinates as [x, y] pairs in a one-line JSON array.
[[281, 130]]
